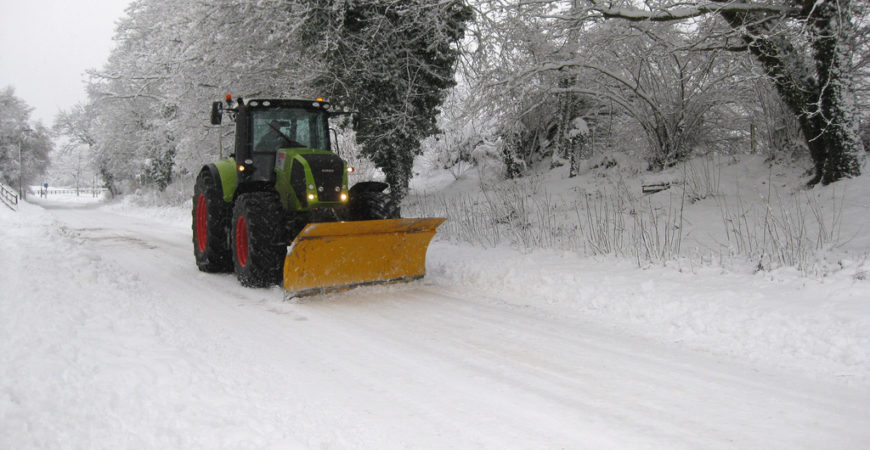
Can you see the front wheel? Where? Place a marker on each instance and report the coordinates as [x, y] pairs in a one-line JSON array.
[[372, 205], [257, 244]]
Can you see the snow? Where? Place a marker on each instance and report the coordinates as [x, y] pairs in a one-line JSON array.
[[110, 337], [820, 328]]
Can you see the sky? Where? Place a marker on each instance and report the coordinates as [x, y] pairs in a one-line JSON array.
[[47, 45]]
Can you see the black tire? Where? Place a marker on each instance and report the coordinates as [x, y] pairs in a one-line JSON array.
[[373, 205], [257, 245], [211, 223]]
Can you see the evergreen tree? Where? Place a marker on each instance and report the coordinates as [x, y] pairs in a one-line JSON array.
[[392, 63]]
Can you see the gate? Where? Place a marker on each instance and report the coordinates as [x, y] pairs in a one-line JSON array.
[[8, 197]]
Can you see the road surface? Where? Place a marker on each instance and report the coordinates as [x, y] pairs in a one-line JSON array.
[[118, 341]]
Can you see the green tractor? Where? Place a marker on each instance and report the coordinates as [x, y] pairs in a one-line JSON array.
[[281, 205]]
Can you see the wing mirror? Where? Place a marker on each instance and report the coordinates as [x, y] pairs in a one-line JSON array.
[[217, 109]]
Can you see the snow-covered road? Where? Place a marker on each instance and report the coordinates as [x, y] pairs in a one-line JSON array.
[[111, 338]]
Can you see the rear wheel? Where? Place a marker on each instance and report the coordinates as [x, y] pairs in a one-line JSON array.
[[257, 239], [211, 222]]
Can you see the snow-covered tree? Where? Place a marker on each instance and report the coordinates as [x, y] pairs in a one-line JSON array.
[[805, 48], [24, 146], [667, 65], [74, 162], [391, 62]]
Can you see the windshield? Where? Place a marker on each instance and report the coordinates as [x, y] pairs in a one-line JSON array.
[[284, 127]]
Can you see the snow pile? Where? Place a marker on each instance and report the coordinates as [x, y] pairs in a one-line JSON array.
[[784, 319]]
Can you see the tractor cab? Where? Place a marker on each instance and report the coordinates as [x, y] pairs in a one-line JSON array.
[[265, 126]]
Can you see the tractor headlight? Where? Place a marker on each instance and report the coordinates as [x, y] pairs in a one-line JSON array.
[[343, 196], [311, 196], [244, 166]]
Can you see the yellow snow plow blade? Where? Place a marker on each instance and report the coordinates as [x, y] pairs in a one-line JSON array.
[[339, 255]]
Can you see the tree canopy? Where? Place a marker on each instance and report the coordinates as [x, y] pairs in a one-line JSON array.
[[24, 146], [804, 47], [391, 62], [510, 83]]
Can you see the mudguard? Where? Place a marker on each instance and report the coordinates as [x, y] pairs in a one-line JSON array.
[[225, 171]]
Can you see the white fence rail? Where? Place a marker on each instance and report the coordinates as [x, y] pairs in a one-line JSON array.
[[67, 192]]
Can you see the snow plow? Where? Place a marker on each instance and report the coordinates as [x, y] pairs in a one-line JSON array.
[[333, 256], [279, 209]]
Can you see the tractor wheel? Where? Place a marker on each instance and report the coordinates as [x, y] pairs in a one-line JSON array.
[[373, 205], [211, 223], [258, 248]]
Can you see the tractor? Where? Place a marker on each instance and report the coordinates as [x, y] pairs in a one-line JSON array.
[[281, 206]]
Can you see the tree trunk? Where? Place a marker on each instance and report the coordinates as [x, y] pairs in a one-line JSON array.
[[818, 96], [831, 24]]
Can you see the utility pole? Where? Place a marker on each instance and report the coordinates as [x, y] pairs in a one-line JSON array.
[[24, 132], [20, 170]]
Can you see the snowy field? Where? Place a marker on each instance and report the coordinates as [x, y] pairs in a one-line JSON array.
[[111, 338]]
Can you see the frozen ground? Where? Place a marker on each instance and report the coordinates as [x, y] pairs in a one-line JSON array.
[[110, 337]]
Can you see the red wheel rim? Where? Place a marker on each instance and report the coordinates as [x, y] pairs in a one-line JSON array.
[[201, 223], [242, 242]]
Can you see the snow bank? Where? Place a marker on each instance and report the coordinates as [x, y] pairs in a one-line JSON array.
[[783, 319]]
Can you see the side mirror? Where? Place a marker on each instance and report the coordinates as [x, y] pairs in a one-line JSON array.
[[217, 109]]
